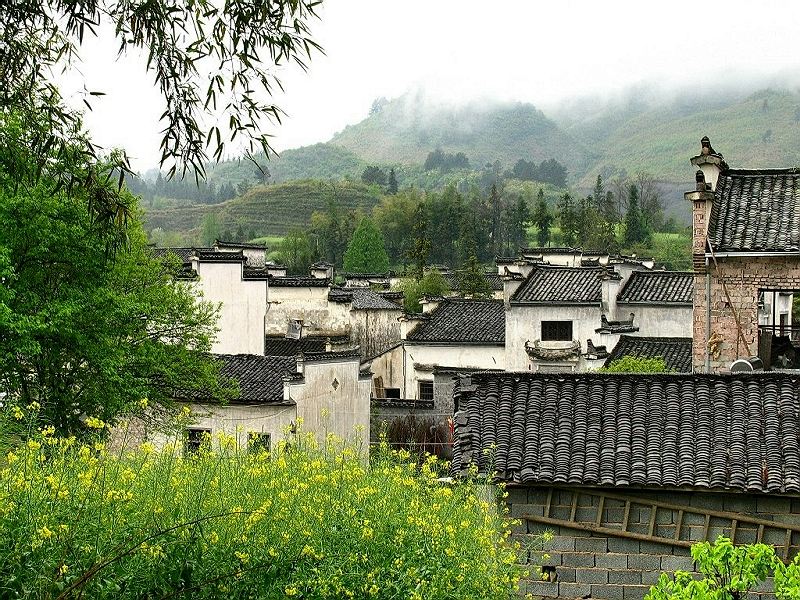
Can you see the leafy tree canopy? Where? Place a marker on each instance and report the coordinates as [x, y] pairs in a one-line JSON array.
[[233, 44], [89, 325], [366, 252], [432, 284]]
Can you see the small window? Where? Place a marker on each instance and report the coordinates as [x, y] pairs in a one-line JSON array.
[[425, 390], [194, 440], [259, 442], [556, 331], [391, 393]]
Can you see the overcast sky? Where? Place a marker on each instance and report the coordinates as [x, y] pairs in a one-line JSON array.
[[540, 52]]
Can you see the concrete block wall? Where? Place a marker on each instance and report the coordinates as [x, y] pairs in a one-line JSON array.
[[617, 568]]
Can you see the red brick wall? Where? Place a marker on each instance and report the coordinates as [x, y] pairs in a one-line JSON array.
[[744, 278]]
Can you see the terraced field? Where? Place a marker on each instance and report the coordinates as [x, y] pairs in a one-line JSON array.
[[268, 210]]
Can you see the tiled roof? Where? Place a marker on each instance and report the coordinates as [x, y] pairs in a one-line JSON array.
[[453, 280], [275, 345], [560, 285], [363, 299], [548, 250], [676, 351], [260, 378], [464, 322], [221, 243], [218, 256], [354, 353], [658, 287], [756, 211], [299, 281], [183, 253], [687, 431]]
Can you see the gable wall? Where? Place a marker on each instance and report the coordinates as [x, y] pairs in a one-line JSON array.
[[310, 304], [244, 303]]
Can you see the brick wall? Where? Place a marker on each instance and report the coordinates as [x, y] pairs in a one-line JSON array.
[[617, 568], [744, 278]]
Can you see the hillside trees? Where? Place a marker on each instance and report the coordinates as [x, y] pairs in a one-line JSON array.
[[397, 217], [542, 219], [366, 252], [548, 171], [391, 186], [636, 228], [374, 175], [234, 46], [446, 162], [90, 323], [295, 252]]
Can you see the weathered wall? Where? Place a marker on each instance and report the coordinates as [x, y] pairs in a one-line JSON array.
[[389, 366], [617, 568], [375, 330], [468, 357], [744, 278], [320, 317], [333, 397], [659, 321], [524, 323], [244, 303]]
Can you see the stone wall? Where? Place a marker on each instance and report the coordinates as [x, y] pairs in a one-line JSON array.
[[744, 278], [618, 568]]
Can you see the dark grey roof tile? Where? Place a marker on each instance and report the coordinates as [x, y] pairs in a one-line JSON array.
[[560, 285], [676, 351], [694, 431], [463, 321], [756, 211], [658, 287]]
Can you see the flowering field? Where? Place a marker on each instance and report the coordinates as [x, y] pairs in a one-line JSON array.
[[312, 522]]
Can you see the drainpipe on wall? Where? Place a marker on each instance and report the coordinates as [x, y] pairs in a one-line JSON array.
[[708, 316]]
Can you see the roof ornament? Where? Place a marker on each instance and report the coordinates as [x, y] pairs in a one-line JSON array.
[[705, 146], [700, 181]]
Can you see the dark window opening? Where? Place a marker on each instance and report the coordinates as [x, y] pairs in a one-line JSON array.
[[195, 438], [259, 442], [556, 331], [425, 390], [779, 329], [391, 393]]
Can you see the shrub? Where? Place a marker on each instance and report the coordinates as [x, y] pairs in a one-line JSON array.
[[308, 521], [636, 364], [728, 573]]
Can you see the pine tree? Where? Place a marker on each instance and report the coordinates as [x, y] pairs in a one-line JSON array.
[[636, 231], [391, 188], [472, 281], [420, 250], [366, 252], [568, 219], [542, 219]]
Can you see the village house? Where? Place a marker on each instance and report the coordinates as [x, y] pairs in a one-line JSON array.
[[568, 318], [746, 254], [630, 470], [326, 392], [450, 335]]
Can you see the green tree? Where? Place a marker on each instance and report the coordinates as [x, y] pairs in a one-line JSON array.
[[517, 216], [420, 250], [568, 219], [472, 281], [366, 252], [432, 284], [295, 252], [636, 231], [234, 45], [391, 187], [374, 175], [542, 219], [396, 216], [84, 329]]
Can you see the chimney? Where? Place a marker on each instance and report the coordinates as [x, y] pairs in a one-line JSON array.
[[710, 163], [407, 323], [610, 282], [701, 198]]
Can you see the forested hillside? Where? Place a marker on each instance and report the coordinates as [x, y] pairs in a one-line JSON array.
[[406, 129], [264, 210]]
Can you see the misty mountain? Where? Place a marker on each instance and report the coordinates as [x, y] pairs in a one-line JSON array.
[[406, 129]]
